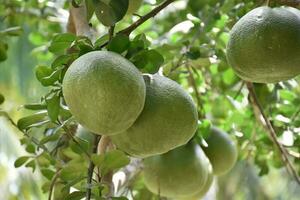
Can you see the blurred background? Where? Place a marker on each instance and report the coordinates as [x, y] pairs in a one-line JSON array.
[[39, 20]]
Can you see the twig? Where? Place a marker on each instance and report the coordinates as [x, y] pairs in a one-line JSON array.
[[111, 32], [103, 145], [194, 85], [70, 135], [91, 168], [33, 139], [239, 90], [271, 131], [53, 181], [144, 18]]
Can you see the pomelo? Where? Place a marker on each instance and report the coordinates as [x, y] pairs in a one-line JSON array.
[[178, 173], [264, 45], [168, 120], [202, 189], [221, 151], [104, 91]]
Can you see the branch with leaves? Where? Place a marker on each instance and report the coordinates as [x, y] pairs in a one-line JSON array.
[[272, 134]]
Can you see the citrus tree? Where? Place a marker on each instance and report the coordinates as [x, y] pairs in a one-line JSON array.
[[154, 99]]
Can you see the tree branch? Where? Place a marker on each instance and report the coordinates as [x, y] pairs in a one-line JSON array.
[[272, 134], [53, 181], [144, 18], [103, 146], [91, 168], [78, 23]]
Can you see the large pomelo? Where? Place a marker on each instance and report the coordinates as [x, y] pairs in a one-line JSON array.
[[168, 120], [177, 174], [221, 151], [104, 91], [264, 45]]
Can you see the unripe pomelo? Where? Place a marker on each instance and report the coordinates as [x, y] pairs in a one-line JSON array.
[[221, 151], [203, 189], [134, 5], [264, 45], [104, 91], [178, 173], [168, 120]]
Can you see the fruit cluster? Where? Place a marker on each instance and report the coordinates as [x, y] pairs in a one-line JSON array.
[[147, 116]]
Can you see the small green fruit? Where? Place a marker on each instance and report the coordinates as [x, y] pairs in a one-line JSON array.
[[221, 151], [169, 119], [179, 173], [104, 91]]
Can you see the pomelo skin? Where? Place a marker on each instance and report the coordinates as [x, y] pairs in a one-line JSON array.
[[202, 189], [177, 174], [221, 151], [169, 120], [104, 91], [264, 45]]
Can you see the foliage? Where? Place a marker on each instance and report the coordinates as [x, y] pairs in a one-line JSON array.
[[184, 42]]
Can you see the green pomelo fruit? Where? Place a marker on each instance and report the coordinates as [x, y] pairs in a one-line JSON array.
[[202, 189], [221, 151], [134, 5], [104, 91], [177, 174], [264, 45], [168, 120]]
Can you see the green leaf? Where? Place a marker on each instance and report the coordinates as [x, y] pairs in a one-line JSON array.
[[204, 128], [287, 95], [193, 53], [31, 164], [112, 160], [119, 43], [101, 41], [30, 148], [3, 51], [61, 42], [53, 106], [12, 31], [119, 198], [46, 75], [148, 61], [84, 45], [109, 13], [2, 99], [50, 138], [90, 9], [76, 3], [63, 60], [73, 169], [77, 195], [35, 106], [32, 120], [21, 161], [46, 186], [47, 173]]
